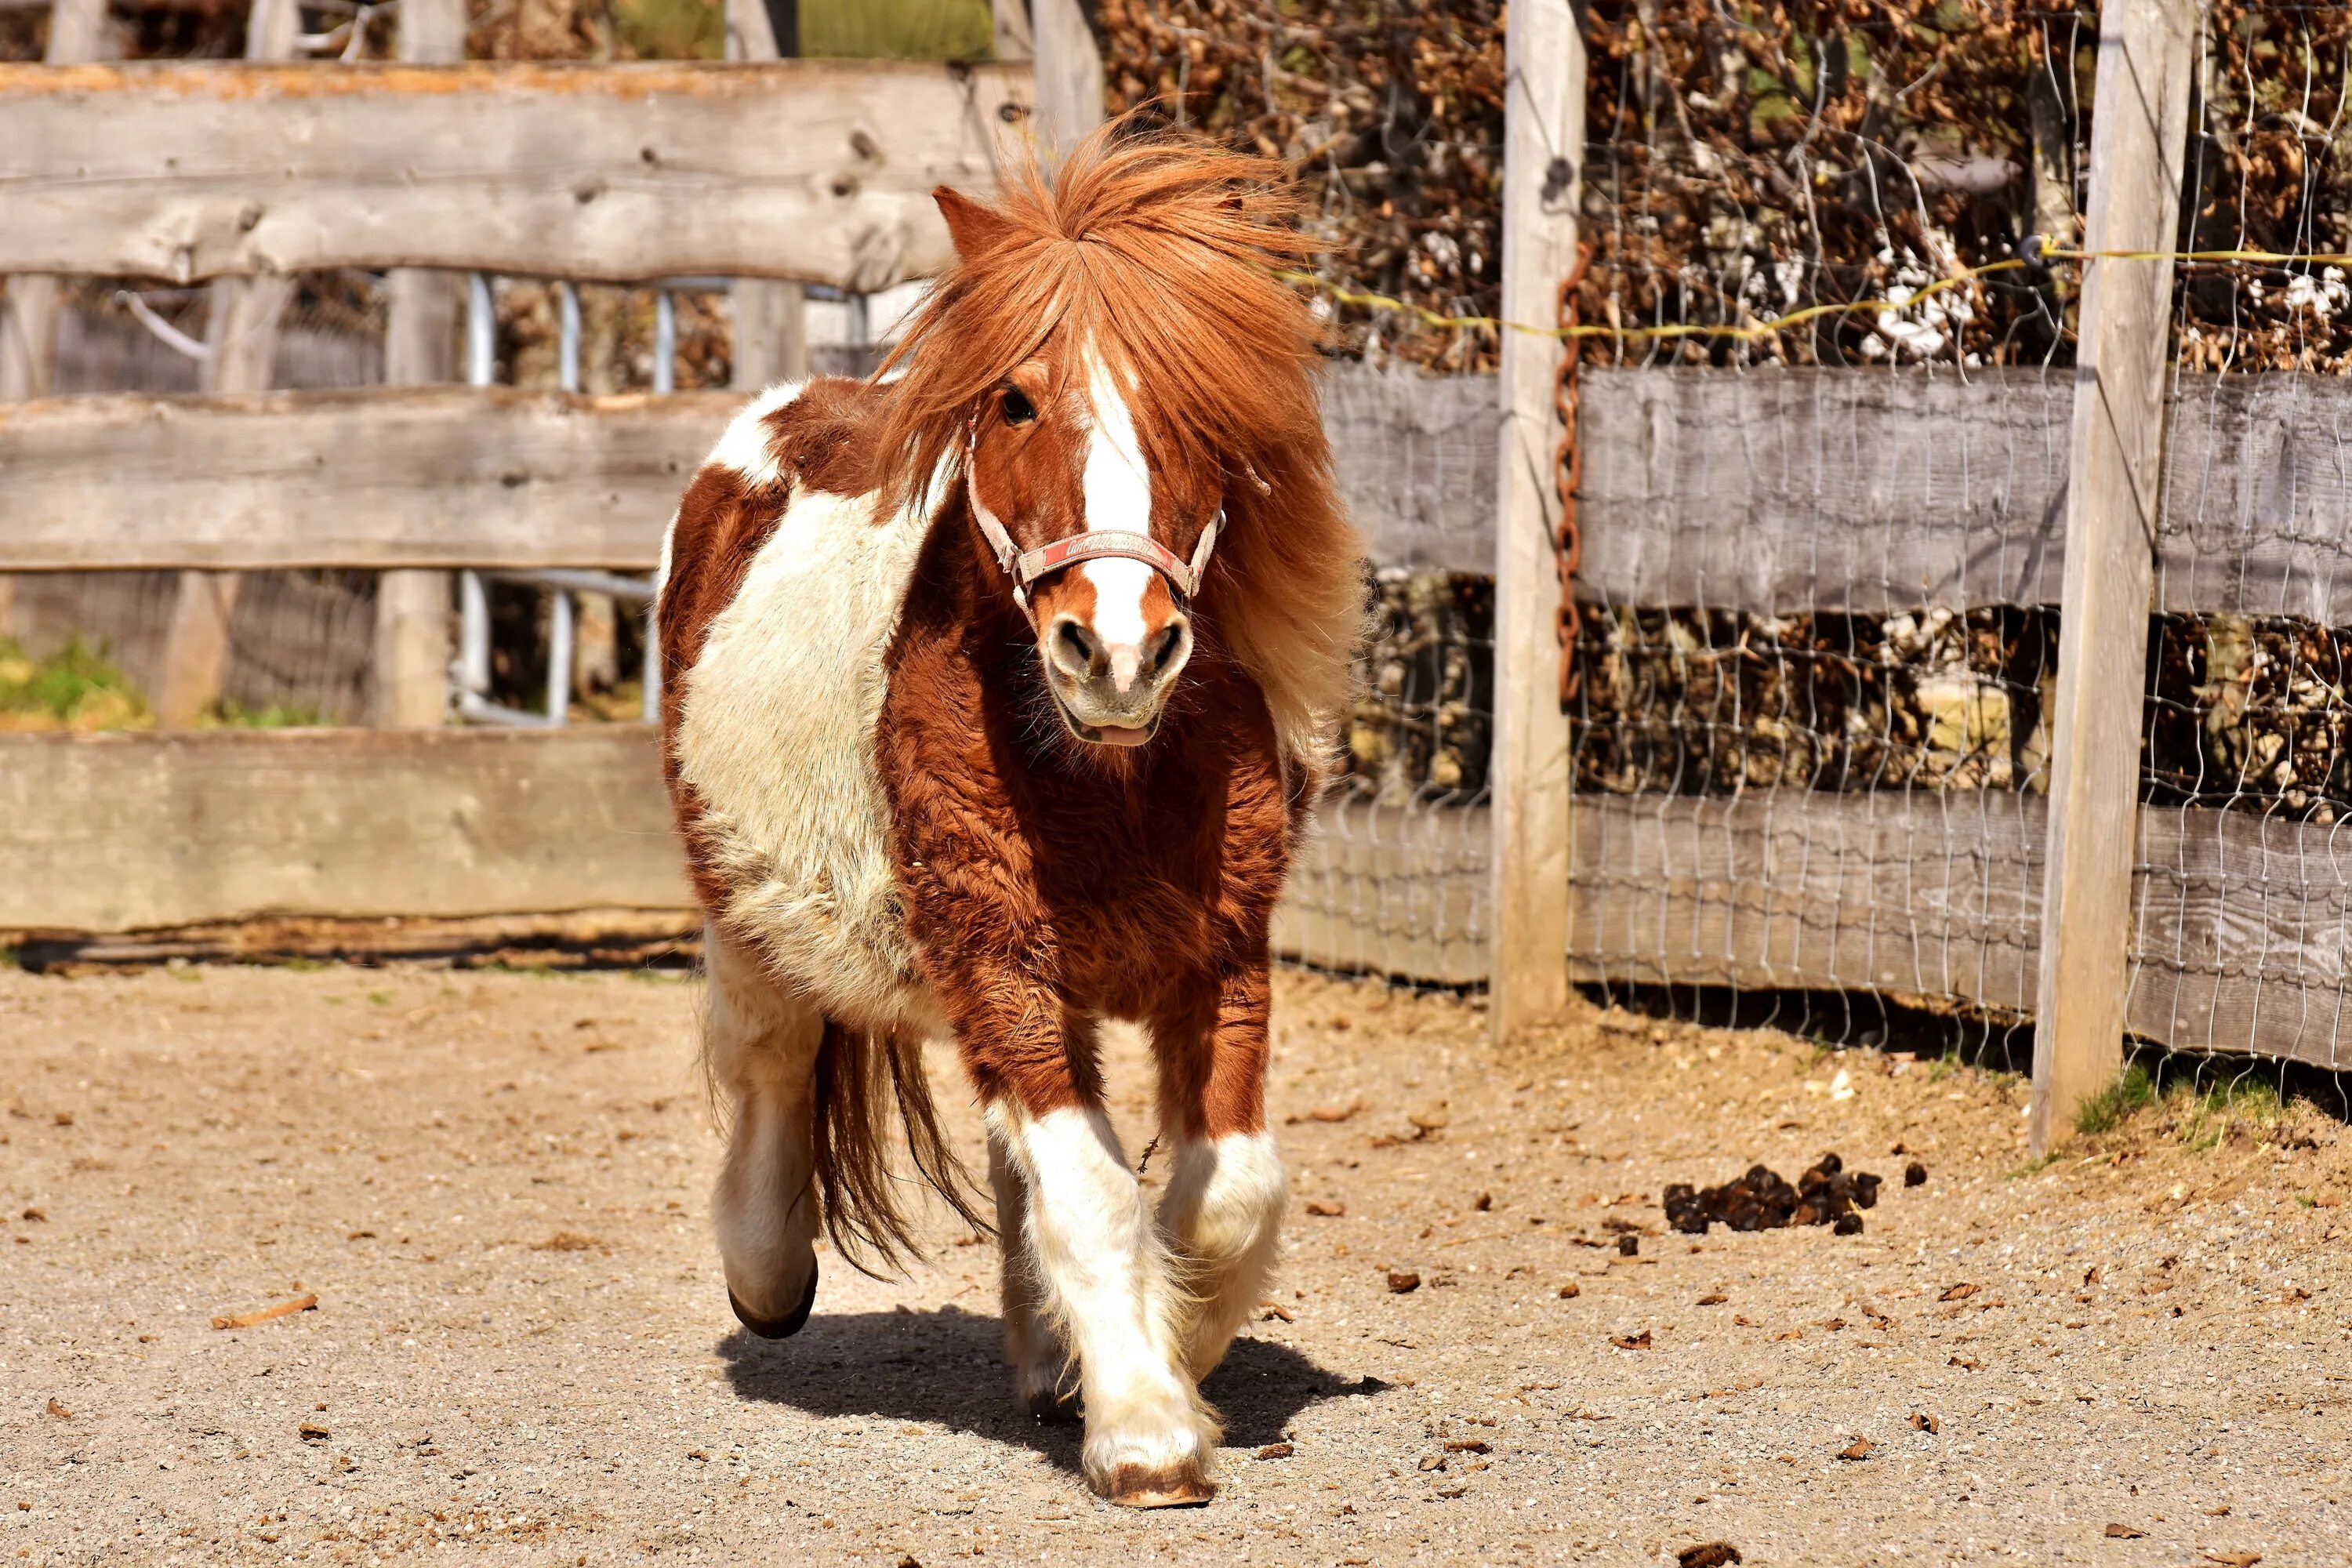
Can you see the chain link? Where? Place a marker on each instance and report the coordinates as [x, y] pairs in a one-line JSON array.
[[1568, 474]]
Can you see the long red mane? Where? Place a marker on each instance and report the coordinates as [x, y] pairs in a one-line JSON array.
[[1160, 252]]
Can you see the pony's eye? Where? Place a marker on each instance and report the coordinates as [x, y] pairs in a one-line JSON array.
[[1018, 409]]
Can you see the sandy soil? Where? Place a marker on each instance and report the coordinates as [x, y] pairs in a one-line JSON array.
[[495, 1186]]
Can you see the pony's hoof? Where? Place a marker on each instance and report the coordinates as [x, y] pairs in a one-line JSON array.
[[782, 1328], [1052, 1407], [1132, 1486]]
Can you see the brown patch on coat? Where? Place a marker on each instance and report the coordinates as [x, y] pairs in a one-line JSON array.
[[1049, 882]]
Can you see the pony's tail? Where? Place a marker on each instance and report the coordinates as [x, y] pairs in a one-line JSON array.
[[861, 1195]]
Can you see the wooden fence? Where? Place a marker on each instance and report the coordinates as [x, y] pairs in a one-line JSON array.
[[1873, 492]]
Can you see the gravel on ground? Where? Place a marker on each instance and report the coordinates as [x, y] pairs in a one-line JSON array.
[[494, 1185]]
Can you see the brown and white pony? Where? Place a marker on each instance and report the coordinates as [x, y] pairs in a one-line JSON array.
[[1001, 684]]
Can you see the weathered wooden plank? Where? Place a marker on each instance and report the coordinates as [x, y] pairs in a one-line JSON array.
[[421, 477], [1394, 890], [2242, 935], [1542, 115], [2258, 497], [2115, 467], [2241, 925], [1775, 490], [1416, 458], [816, 170], [114, 833], [1930, 894]]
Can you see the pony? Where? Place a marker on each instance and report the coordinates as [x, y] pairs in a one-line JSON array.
[[1001, 685]]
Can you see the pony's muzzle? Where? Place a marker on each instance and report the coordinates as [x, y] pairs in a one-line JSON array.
[[1114, 683]]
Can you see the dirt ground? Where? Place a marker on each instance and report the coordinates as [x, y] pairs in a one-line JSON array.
[[495, 1186]]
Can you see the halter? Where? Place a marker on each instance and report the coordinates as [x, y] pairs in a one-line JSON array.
[[1025, 567]]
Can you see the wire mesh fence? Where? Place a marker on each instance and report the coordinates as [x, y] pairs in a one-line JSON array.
[[1816, 640], [2242, 908]]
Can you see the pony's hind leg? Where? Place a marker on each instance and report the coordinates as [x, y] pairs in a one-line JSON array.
[[1030, 1343], [1223, 1210], [1149, 1439], [760, 1048]]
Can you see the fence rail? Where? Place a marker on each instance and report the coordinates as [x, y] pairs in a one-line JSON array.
[[811, 170]]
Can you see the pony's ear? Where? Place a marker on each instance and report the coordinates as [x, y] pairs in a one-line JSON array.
[[971, 226]]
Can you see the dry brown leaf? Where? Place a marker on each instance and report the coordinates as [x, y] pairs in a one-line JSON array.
[[2124, 1533], [1960, 1292], [1277, 1451], [1858, 1449], [1923, 1422], [568, 1241], [1640, 1342], [1322, 1210], [59, 1410]]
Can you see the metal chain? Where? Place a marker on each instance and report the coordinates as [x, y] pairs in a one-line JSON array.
[[1568, 473]]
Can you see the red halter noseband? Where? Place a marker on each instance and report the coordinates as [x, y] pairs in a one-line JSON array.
[[1025, 567]]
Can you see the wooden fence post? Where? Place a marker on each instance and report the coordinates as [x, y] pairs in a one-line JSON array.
[[1010, 20], [2115, 468], [1543, 142], [242, 332], [29, 302], [769, 341], [1069, 76], [411, 663]]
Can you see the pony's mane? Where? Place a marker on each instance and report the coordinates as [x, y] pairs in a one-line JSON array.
[[1159, 252]]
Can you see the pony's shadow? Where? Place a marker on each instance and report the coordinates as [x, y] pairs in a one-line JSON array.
[[944, 1368]]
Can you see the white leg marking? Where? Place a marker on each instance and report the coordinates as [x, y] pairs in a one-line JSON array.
[[1029, 1344], [759, 1049], [1105, 1283], [1224, 1210]]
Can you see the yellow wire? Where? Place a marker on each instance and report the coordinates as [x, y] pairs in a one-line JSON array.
[[1781, 323]]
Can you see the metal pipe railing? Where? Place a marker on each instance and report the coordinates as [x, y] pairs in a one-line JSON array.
[[472, 670]]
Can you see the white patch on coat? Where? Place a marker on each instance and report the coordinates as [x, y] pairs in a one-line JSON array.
[[1104, 1282], [1224, 1211], [747, 446], [777, 739], [1119, 498]]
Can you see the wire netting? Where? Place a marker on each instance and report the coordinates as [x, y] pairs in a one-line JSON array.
[[1749, 163], [1815, 647], [2242, 906]]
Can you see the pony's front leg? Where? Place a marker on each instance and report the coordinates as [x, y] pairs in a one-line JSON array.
[[1223, 1210], [1029, 1341], [1149, 1439]]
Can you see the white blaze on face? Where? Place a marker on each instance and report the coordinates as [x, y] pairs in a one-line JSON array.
[[1119, 498]]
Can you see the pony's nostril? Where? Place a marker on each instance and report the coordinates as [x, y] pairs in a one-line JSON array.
[[1076, 646], [1165, 647]]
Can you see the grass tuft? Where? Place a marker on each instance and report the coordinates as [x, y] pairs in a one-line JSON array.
[[77, 687], [2133, 1091]]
